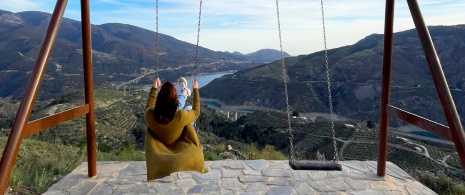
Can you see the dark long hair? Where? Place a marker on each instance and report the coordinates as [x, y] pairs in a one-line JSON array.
[[167, 103]]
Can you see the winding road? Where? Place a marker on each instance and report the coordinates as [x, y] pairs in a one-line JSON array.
[[423, 152]]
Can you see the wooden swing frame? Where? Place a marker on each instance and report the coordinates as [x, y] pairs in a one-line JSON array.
[[22, 128], [454, 131]]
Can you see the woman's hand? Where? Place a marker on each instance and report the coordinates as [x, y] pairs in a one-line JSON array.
[[156, 83], [195, 85]]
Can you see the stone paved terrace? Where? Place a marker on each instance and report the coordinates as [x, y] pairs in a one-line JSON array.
[[240, 177]]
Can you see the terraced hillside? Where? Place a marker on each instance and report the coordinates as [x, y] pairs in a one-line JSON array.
[[120, 122], [119, 119], [355, 73], [116, 117], [404, 152], [354, 142]]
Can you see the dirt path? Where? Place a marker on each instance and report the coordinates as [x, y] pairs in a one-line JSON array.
[[424, 152], [444, 160], [52, 110]]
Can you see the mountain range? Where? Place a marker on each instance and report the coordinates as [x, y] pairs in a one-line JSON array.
[[121, 52], [355, 74]]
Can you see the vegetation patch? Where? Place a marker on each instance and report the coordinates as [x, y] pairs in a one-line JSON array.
[[39, 164]]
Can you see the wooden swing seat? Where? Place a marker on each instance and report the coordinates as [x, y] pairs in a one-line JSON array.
[[315, 165]]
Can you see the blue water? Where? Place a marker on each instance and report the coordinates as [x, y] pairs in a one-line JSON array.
[[201, 79], [246, 111], [426, 134], [213, 105], [205, 79]]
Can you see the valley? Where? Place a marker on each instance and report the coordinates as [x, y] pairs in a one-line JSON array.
[[121, 129], [121, 53], [355, 74], [124, 63]]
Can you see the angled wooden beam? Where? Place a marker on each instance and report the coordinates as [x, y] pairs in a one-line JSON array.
[[421, 122], [50, 121], [440, 82], [455, 130], [27, 103]]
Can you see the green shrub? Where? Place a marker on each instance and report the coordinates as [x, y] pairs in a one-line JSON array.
[[371, 124], [209, 155], [251, 152], [268, 153], [440, 183], [41, 164], [295, 113], [221, 147], [127, 153], [102, 146]]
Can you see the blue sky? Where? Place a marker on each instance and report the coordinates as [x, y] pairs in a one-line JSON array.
[[249, 25]]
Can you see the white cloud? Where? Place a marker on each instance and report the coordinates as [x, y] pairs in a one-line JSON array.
[[246, 26], [19, 5]]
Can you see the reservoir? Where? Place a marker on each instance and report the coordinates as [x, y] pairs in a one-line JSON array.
[[205, 79], [202, 80], [213, 105]]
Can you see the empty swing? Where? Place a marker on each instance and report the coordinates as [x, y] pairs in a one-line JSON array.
[[309, 164]]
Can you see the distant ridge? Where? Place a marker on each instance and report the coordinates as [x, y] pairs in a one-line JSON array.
[[121, 52], [266, 54], [356, 78]]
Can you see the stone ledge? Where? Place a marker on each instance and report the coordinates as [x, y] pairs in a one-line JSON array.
[[240, 177]]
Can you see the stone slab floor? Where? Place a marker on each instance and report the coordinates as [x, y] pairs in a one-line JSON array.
[[242, 178]]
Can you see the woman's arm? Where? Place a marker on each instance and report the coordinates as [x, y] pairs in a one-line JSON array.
[[153, 94], [196, 101], [152, 98]]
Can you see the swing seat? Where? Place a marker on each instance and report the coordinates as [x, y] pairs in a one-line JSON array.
[[315, 165]]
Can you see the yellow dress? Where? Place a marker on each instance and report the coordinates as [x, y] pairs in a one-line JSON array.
[[174, 146]]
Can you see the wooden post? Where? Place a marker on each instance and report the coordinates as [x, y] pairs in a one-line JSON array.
[[88, 87], [386, 87]]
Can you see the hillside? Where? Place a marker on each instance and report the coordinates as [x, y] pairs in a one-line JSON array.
[[356, 78], [266, 55], [355, 141], [120, 131], [121, 53], [120, 120]]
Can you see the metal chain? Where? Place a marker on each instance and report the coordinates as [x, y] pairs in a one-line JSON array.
[[156, 40], [289, 130], [198, 38], [197, 50], [336, 156]]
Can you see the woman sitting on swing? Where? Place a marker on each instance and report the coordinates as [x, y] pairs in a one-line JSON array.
[[171, 144]]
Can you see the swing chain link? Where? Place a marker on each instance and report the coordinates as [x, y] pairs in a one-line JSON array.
[[289, 130], [198, 39], [156, 41], [335, 154]]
